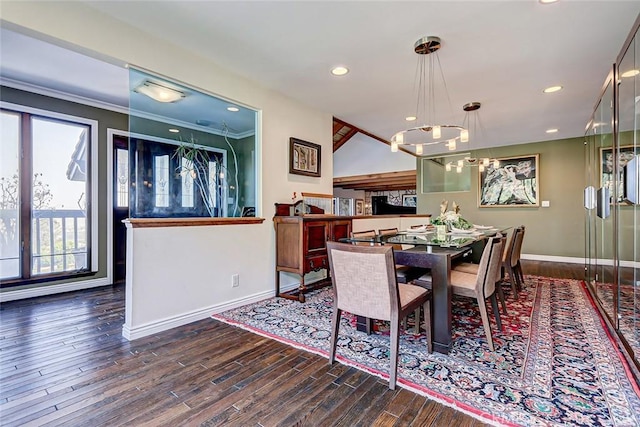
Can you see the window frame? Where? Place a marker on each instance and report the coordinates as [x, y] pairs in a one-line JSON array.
[[25, 169]]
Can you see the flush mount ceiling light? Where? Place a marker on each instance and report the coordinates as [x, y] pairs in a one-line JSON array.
[[630, 73], [552, 89], [159, 92], [339, 71], [431, 131]]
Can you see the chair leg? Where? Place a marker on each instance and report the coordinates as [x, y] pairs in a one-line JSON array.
[[393, 344], [485, 322], [335, 323], [516, 275], [417, 317], [501, 296], [427, 325], [496, 311], [520, 273], [513, 280]]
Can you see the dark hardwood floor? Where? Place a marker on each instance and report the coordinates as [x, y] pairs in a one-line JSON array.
[[64, 362]]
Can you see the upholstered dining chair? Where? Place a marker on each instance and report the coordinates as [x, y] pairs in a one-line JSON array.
[[364, 284], [404, 274], [368, 234], [471, 268], [482, 285], [513, 261]]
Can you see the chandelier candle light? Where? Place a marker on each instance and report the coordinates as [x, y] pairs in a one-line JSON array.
[[430, 132]]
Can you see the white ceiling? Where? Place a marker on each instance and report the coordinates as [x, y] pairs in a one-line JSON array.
[[501, 53]]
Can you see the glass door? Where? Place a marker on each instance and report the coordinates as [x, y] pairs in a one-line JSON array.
[[598, 196], [627, 208]]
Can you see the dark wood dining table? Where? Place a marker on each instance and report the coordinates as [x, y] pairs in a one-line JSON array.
[[436, 253]]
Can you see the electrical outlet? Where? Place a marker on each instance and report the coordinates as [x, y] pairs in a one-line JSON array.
[[235, 280]]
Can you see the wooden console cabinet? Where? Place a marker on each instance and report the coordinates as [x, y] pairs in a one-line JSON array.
[[301, 247]]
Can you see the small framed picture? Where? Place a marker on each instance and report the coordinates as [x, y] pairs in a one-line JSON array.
[[359, 207], [409, 200], [304, 157]]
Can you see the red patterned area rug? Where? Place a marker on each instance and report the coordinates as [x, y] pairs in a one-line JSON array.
[[554, 364]]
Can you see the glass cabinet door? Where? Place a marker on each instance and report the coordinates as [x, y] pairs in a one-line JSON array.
[[627, 209]]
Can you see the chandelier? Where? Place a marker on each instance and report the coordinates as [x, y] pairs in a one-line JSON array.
[[472, 121], [431, 132]]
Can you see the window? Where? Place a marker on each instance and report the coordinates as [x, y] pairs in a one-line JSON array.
[[161, 180], [188, 174], [122, 172], [45, 194]]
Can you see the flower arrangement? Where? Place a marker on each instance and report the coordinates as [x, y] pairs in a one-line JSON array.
[[452, 218]]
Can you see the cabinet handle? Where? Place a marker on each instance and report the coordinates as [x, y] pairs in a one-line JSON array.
[[590, 197], [311, 263], [603, 203]]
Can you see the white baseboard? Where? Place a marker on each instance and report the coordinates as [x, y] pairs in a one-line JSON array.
[[576, 260], [553, 258], [190, 317], [39, 291], [204, 313]]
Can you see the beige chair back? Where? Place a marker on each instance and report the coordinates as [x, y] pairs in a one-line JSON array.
[[489, 267], [390, 232], [364, 279], [368, 234], [517, 246]]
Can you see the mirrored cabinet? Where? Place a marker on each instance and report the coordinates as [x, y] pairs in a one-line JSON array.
[[612, 205]]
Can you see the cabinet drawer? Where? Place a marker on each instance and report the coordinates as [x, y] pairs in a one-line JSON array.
[[315, 263]]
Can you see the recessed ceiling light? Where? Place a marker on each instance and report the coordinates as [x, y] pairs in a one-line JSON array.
[[339, 71], [547, 1], [410, 118], [552, 89], [552, 130], [234, 109], [630, 73], [174, 130]]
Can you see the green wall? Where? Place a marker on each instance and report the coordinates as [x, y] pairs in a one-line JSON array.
[[554, 231], [106, 119]]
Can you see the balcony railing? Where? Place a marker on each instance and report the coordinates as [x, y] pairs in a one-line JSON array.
[[58, 242]]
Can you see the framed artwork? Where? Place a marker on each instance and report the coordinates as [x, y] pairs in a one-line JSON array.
[[625, 153], [513, 183], [304, 157], [409, 200], [359, 207]]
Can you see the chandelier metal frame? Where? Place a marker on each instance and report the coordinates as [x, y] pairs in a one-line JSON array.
[[426, 103]]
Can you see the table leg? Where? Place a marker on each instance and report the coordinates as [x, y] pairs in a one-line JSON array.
[[441, 309]]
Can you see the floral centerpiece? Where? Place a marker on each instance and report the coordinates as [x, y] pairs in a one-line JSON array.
[[452, 218]]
